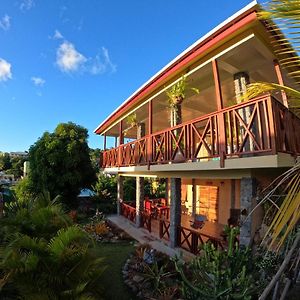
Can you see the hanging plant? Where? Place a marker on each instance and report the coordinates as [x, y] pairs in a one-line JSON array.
[[176, 93], [132, 120]]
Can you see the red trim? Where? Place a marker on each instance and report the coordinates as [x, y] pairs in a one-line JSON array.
[[188, 58]]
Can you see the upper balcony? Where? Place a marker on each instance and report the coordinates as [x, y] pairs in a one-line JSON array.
[[215, 127], [262, 126]]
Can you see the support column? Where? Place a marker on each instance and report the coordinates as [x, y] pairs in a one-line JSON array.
[[221, 121], [120, 193], [281, 82], [150, 128], [167, 192], [241, 80], [248, 193], [194, 204], [104, 142], [139, 200], [175, 210], [140, 183]]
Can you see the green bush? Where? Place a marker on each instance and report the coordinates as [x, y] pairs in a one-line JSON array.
[[106, 194], [44, 256]]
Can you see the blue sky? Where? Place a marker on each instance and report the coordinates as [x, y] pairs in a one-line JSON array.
[[77, 60]]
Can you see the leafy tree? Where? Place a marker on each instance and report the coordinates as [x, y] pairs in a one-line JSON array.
[[106, 194], [60, 162], [5, 162], [16, 167], [95, 158], [106, 187], [24, 190]]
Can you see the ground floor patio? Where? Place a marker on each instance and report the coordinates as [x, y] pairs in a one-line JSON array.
[[191, 234], [143, 236], [215, 201]]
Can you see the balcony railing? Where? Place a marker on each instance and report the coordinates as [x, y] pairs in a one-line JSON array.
[[261, 126]]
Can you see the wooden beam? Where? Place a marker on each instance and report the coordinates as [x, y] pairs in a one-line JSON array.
[[221, 121], [150, 117], [121, 135], [281, 82], [217, 84], [104, 142]]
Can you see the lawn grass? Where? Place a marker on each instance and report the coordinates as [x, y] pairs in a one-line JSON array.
[[115, 255]]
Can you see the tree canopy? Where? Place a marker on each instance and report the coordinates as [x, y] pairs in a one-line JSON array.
[[60, 162]]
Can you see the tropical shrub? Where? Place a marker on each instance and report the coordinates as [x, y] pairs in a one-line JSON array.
[[219, 274], [106, 194], [44, 256]]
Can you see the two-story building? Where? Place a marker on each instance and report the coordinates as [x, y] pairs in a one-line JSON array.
[[220, 150]]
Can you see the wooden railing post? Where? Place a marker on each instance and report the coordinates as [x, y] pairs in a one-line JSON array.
[[194, 243], [272, 124], [160, 228]]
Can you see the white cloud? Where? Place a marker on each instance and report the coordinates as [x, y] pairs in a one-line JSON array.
[[68, 58], [5, 70], [107, 61], [38, 81], [26, 4], [57, 35], [102, 63], [5, 22]]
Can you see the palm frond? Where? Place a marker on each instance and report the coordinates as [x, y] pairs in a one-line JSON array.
[[288, 214], [286, 33], [258, 88]]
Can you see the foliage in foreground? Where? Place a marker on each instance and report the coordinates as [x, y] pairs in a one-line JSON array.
[[217, 274], [44, 256]]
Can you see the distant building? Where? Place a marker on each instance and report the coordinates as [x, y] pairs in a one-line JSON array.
[[15, 154], [18, 154]]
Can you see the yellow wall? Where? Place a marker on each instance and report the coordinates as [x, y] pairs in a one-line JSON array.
[[224, 202]]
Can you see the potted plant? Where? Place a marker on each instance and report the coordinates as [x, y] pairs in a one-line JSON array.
[[132, 120], [176, 93]]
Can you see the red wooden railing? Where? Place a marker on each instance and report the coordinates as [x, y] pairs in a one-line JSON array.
[[129, 212], [146, 221], [257, 127], [188, 238]]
